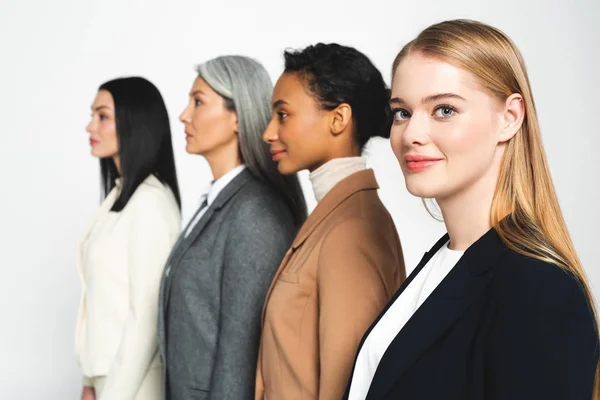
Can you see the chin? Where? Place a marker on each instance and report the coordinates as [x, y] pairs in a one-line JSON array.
[[285, 169], [191, 149], [422, 188], [99, 154]]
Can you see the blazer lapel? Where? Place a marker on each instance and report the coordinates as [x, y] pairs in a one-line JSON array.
[[424, 260], [103, 210], [286, 259], [183, 243], [362, 180], [463, 285]]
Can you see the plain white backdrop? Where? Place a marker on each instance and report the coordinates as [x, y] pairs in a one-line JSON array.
[[55, 54]]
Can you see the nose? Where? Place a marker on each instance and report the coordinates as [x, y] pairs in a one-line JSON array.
[[270, 135], [415, 132], [185, 115], [90, 127]]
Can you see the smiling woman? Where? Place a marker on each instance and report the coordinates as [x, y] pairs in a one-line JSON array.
[[347, 260], [500, 307]]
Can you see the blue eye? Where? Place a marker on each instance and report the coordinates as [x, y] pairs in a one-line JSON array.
[[444, 111], [400, 114], [197, 102]]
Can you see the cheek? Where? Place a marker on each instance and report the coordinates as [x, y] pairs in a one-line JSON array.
[[470, 145], [109, 143], [396, 142], [469, 152], [210, 130]]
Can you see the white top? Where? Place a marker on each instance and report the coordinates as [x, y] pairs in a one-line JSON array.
[[212, 194], [328, 175], [392, 322], [120, 261]]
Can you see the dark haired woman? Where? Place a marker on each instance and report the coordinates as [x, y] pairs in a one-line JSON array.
[[122, 255], [346, 262]]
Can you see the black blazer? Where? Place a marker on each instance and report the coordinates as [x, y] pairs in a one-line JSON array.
[[500, 326]]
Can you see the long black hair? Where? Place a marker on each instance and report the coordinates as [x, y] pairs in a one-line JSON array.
[[337, 74], [144, 136]]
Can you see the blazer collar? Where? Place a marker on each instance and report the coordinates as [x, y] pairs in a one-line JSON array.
[[222, 198], [183, 243], [463, 285], [362, 180], [151, 180]]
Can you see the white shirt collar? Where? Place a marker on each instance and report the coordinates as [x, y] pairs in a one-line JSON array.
[[223, 181]]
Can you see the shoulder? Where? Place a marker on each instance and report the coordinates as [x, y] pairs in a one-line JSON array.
[[153, 199], [364, 207], [361, 217], [258, 204], [524, 281]]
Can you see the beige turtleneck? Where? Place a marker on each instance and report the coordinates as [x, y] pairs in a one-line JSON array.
[[328, 175]]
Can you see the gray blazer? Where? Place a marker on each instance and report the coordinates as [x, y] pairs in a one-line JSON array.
[[213, 289]]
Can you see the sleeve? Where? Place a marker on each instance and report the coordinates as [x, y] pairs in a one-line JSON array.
[[544, 345], [152, 236], [352, 292], [256, 244], [88, 381]]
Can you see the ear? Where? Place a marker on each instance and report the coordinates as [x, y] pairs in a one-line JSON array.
[[235, 122], [342, 115], [512, 117]]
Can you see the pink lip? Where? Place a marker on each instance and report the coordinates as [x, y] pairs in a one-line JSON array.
[[277, 154], [188, 136], [93, 142], [417, 163]]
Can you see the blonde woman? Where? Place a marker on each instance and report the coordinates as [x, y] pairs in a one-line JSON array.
[[500, 307]]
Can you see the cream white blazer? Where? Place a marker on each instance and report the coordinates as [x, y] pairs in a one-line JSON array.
[[120, 261]]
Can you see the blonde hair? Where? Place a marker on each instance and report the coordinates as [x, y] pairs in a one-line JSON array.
[[525, 195]]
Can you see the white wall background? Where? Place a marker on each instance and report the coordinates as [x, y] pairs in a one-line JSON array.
[[54, 55]]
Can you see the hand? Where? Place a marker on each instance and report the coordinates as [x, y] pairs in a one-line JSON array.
[[88, 393]]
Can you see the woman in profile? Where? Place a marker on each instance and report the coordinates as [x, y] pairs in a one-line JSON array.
[[122, 255], [499, 308], [346, 262], [219, 271]]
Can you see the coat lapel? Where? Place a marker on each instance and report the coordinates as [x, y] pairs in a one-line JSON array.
[[183, 243], [362, 180], [424, 260], [463, 285]]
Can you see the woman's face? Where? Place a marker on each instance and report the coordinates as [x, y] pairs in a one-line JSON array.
[[103, 127], [209, 125], [299, 131], [449, 133]]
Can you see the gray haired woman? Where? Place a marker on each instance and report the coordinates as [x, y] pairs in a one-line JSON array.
[[219, 271]]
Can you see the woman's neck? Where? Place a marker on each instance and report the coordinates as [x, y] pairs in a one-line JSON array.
[[467, 213], [117, 161], [220, 164]]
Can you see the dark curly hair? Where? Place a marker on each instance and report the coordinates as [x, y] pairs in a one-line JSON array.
[[337, 74]]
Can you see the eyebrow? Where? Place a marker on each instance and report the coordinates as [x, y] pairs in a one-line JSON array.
[[430, 98], [279, 103], [195, 92], [100, 108]]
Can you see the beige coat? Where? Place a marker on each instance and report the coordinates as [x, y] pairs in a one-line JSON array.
[[342, 269]]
